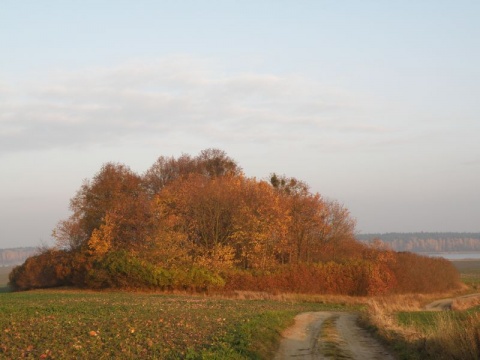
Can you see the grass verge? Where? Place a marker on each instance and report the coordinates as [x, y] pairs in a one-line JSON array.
[[415, 334], [331, 342]]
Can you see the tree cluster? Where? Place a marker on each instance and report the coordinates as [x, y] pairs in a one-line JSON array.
[[199, 223]]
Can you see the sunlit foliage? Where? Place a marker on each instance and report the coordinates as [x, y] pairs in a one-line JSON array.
[[199, 223]]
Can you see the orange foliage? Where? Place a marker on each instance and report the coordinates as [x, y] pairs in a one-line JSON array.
[[420, 274], [49, 269], [350, 278], [199, 218]]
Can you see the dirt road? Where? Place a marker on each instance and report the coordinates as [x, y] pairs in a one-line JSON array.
[[440, 305], [446, 304], [329, 335]]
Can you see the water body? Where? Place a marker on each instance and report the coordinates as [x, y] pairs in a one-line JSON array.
[[455, 255]]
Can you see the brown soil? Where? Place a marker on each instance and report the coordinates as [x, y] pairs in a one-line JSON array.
[[307, 339]]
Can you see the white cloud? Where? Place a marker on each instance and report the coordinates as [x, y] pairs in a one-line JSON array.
[[173, 95]]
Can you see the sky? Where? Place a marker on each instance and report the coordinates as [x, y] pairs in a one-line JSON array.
[[374, 104]]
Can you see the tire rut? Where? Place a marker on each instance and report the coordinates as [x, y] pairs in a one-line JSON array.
[[329, 335]]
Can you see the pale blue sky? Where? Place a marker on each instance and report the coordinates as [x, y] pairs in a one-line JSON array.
[[373, 103]]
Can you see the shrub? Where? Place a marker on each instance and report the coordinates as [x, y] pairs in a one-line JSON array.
[[120, 269], [356, 277], [50, 268], [197, 279], [420, 274]]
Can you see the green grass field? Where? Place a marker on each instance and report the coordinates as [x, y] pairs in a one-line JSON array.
[[469, 272], [428, 320], [4, 271], [467, 266], [86, 325]]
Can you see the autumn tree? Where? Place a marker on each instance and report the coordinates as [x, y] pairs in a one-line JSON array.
[[167, 169], [336, 237], [116, 192], [319, 229], [229, 219], [199, 223], [289, 186], [202, 209], [306, 211], [260, 225], [209, 163], [296, 197], [215, 163]]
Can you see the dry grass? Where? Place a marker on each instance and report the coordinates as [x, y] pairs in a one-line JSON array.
[[343, 300], [454, 339], [466, 302], [449, 335], [331, 342], [381, 314]]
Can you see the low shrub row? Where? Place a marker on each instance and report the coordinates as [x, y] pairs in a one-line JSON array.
[[117, 269], [378, 272]]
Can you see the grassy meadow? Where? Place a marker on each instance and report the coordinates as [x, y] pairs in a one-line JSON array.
[[469, 272]]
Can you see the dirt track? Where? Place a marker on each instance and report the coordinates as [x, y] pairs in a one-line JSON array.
[[327, 335], [440, 305], [446, 304], [336, 335]]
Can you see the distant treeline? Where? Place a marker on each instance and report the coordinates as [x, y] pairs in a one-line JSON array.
[[427, 241], [15, 256]]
